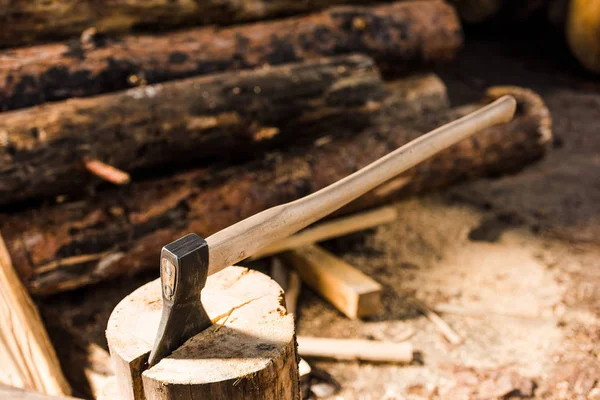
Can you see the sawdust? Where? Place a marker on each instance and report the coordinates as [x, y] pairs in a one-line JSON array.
[[523, 248]]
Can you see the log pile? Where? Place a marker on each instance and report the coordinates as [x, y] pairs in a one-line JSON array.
[[112, 146], [402, 35]]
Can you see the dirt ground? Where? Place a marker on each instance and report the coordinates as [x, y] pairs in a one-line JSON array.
[[514, 261]]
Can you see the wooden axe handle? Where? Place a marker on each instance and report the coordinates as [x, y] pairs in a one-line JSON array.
[[243, 239]]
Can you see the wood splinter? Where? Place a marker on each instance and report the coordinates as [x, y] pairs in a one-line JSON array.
[[106, 172], [349, 290], [449, 333]]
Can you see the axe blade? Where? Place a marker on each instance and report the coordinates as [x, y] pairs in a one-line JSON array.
[[183, 273]]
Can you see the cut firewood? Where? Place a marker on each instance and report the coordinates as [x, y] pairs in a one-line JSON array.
[[349, 290], [27, 358], [355, 349], [451, 336], [331, 229], [122, 231], [13, 393], [289, 282], [402, 34], [249, 352], [178, 123]]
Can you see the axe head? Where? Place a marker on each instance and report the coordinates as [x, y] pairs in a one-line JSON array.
[[183, 273]]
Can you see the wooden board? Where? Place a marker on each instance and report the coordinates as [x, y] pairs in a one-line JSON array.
[[345, 287]]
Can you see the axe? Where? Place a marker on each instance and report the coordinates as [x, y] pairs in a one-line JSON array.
[[186, 263]]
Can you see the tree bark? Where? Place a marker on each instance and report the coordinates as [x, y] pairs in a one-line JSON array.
[[401, 34], [26, 21], [119, 232], [186, 122], [249, 352]]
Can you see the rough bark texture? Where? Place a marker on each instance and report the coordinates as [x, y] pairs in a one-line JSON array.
[[42, 149], [70, 245], [249, 352], [401, 34], [26, 21]]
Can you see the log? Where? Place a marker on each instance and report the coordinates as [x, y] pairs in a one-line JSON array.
[[355, 349], [120, 232], [249, 352], [402, 35], [27, 357], [349, 290], [28, 21], [46, 150]]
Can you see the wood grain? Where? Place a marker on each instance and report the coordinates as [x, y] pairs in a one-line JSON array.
[[249, 352], [27, 357], [349, 290]]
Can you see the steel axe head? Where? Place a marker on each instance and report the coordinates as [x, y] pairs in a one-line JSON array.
[[183, 273]]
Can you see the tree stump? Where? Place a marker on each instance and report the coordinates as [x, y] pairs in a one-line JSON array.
[[248, 353]]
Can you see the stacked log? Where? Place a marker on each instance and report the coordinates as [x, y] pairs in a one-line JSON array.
[[178, 123], [402, 35], [27, 21], [120, 232]]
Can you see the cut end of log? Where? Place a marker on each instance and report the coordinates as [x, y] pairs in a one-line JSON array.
[[249, 352], [527, 102]]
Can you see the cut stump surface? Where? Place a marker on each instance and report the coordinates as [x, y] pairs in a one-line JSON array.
[[248, 353]]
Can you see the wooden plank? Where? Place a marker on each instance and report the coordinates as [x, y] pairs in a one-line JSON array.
[[349, 290], [27, 358], [355, 349], [332, 229]]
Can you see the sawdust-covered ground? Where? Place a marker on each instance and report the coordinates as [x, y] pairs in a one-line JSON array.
[[516, 259], [520, 256]]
